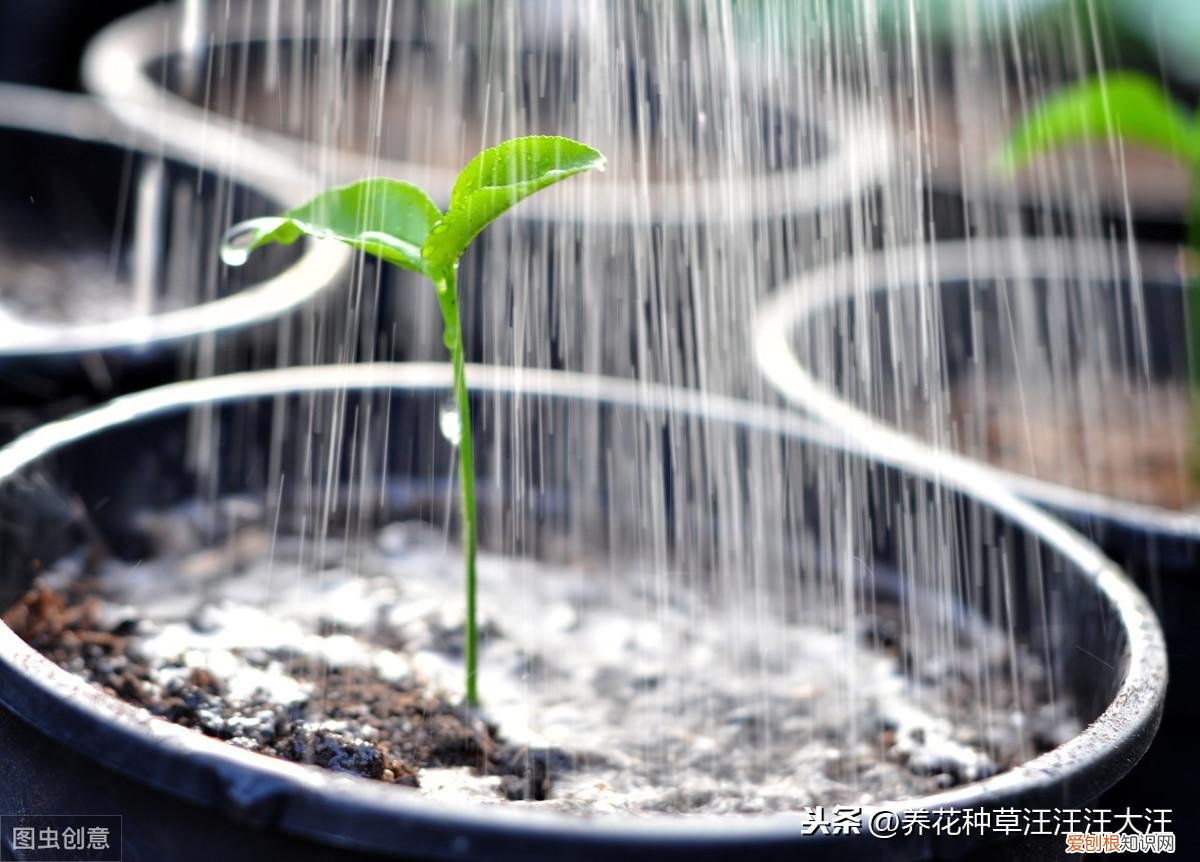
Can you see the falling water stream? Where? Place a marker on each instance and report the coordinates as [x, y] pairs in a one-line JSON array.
[[741, 651]]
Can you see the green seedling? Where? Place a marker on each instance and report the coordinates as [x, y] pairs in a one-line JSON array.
[[397, 222], [1134, 108]]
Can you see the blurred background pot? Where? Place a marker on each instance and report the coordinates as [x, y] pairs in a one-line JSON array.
[[69, 747], [712, 164], [1058, 366], [1083, 342], [110, 278]]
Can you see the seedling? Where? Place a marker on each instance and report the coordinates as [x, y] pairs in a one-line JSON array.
[[397, 222], [1133, 107]]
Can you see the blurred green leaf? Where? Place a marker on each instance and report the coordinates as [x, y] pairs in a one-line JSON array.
[[1127, 105]]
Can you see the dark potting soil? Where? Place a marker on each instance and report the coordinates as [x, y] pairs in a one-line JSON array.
[[78, 287], [359, 723], [1130, 446], [599, 697]]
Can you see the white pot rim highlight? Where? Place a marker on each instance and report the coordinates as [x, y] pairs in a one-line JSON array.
[[857, 157], [46, 112]]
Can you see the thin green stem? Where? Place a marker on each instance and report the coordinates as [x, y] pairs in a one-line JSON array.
[[447, 291]]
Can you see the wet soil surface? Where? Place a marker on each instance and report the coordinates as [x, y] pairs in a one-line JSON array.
[[359, 723], [605, 691], [1131, 446], [76, 287]]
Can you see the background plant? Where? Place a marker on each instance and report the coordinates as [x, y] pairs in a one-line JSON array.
[[399, 223], [1136, 108]]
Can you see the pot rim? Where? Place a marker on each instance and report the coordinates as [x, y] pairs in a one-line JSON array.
[[115, 68], [293, 795], [82, 118], [820, 289]]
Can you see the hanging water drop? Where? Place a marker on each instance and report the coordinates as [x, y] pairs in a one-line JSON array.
[[233, 256], [244, 237], [450, 423]]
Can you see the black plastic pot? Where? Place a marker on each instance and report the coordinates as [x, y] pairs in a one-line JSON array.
[[598, 464], [854, 346], [80, 188], [783, 174]]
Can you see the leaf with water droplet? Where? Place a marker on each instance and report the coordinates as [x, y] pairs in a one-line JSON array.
[[383, 217], [243, 238], [497, 179], [1126, 105]]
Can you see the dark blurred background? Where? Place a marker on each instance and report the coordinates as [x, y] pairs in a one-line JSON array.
[[42, 41]]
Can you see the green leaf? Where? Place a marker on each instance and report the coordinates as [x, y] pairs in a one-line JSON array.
[[1127, 105], [387, 218], [494, 181]]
